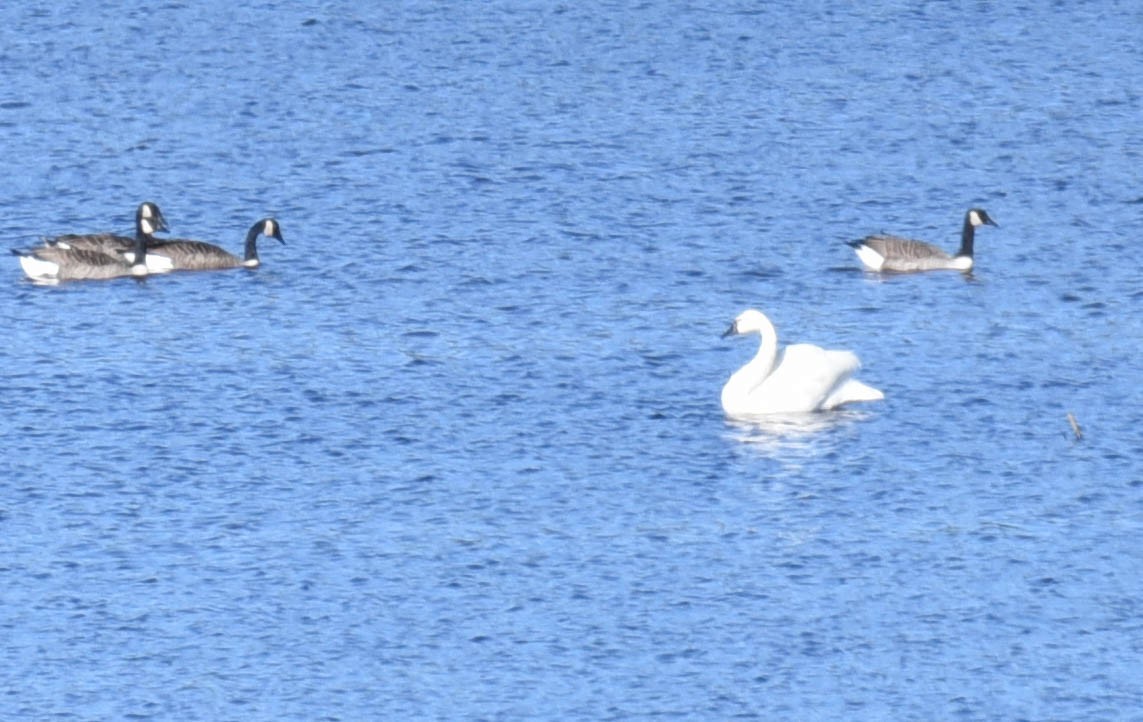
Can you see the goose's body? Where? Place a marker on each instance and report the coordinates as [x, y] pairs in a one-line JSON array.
[[58, 260], [148, 218], [116, 248], [103, 242], [905, 255], [188, 255], [797, 379]]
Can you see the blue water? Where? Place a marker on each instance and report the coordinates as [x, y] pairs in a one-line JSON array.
[[456, 452]]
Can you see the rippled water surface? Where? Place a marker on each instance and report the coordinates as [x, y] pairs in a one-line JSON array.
[[456, 451]]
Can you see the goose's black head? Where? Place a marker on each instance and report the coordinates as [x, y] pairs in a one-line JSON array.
[[270, 228], [979, 217], [149, 219], [266, 227]]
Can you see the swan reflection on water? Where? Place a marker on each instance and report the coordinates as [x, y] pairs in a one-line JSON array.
[[803, 433]]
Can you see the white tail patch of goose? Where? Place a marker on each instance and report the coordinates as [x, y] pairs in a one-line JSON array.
[[871, 258], [36, 268]]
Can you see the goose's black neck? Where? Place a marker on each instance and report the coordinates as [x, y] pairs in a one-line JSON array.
[[141, 241], [967, 236], [252, 241]]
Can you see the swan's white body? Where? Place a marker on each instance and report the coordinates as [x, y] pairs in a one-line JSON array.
[[797, 379]]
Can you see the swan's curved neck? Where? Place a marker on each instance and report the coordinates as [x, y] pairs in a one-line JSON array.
[[967, 235], [746, 379]]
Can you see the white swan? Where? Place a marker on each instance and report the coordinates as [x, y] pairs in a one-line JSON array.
[[799, 378]]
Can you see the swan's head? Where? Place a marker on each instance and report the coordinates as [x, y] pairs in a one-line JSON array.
[[149, 219], [749, 321], [978, 217]]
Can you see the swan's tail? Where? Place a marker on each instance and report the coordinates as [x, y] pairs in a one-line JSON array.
[[850, 391]]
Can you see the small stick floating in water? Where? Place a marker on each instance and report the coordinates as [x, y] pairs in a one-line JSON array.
[[1075, 426]]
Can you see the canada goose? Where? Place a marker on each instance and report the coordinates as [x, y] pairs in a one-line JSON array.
[[58, 260], [199, 256], [799, 378], [892, 253], [148, 218]]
